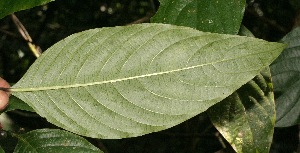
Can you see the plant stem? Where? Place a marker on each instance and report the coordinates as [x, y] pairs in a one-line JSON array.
[[5, 89]]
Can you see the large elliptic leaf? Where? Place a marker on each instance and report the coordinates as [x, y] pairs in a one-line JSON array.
[[246, 118], [222, 16], [53, 141], [129, 81], [286, 77], [11, 6]]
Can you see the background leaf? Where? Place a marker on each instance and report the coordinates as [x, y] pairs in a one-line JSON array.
[[11, 6], [236, 122], [286, 78], [16, 103], [53, 141], [246, 118], [129, 81], [1, 150], [222, 16]]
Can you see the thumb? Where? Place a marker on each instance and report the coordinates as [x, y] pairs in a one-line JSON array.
[[4, 95]]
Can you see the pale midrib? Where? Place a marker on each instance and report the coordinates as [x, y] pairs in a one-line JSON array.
[[103, 82]]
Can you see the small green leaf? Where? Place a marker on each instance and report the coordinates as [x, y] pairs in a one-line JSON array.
[[129, 81], [53, 141], [222, 16], [10, 6], [246, 118], [16, 103], [286, 78]]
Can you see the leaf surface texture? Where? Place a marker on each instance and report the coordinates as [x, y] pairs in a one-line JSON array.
[[129, 81]]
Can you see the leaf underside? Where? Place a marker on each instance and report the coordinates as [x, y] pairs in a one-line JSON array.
[[129, 81], [286, 77]]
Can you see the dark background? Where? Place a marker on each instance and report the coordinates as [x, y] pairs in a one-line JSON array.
[[266, 19]]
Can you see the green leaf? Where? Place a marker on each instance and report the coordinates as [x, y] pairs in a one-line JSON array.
[[286, 79], [53, 141], [246, 118], [11, 6], [16, 103], [1, 150], [129, 81], [245, 32], [234, 122], [222, 16]]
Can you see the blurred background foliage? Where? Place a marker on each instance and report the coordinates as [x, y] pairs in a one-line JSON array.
[[266, 19]]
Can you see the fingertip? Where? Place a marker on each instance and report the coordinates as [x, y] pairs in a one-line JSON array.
[[4, 96]]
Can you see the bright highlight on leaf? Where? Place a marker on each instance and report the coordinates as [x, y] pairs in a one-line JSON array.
[[133, 80], [246, 118]]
